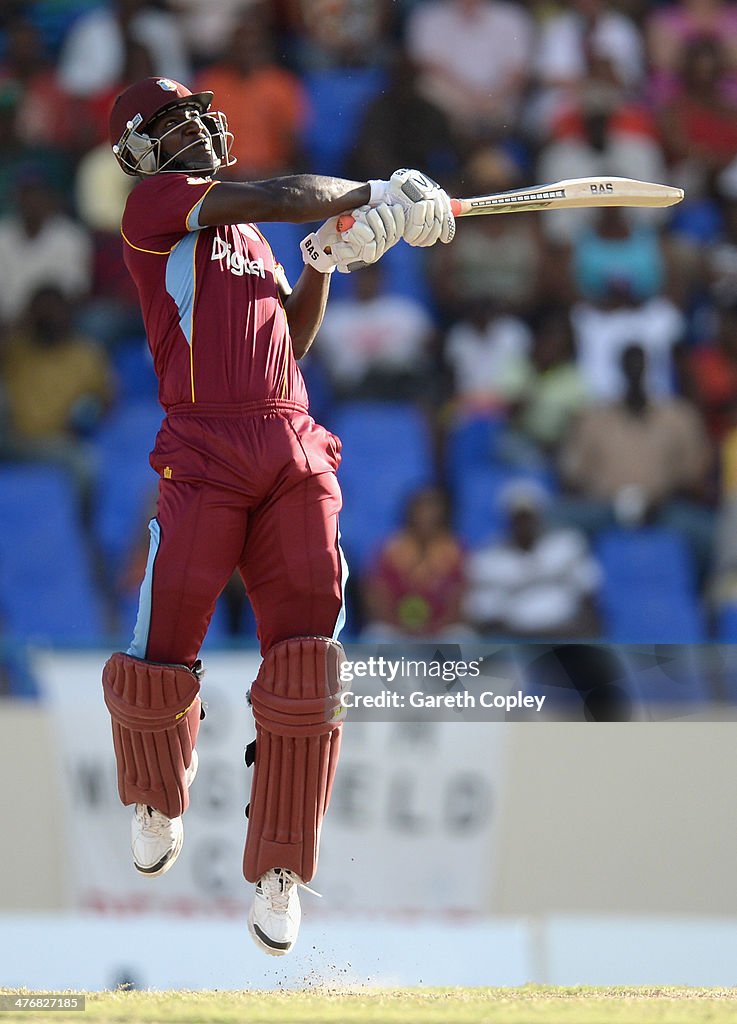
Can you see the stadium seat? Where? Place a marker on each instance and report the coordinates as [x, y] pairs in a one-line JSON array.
[[726, 624], [284, 240], [700, 220], [134, 371], [319, 387], [477, 492], [126, 482], [649, 590], [405, 273], [471, 444], [338, 97], [387, 455], [47, 592], [54, 19]]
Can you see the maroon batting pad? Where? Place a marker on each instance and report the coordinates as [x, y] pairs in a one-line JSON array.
[[156, 717], [296, 705]]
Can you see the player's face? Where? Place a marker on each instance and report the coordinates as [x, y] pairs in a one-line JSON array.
[[184, 139]]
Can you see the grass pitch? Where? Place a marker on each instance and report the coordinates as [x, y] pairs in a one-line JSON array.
[[531, 1004]]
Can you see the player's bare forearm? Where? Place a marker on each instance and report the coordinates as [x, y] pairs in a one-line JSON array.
[[305, 309], [297, 198]]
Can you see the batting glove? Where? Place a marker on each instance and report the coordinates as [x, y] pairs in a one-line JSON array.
[[317, 249], [428, 214], [374, 230]]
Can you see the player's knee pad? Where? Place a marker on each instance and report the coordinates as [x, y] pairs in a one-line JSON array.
[[298, 713], [155, 710]]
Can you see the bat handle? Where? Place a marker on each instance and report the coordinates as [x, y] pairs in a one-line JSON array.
[[346, 221]]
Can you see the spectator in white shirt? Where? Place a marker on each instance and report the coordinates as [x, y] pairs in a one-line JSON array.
[[480, 350], [536, 582], [40, 246], [93, 55], [474, 56], [207, 24], [375, 344], [606, 328], [601, 132], [585, 38]]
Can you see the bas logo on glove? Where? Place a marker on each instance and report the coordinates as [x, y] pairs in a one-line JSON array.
[[312, 250], [365, 240], [316, 249]]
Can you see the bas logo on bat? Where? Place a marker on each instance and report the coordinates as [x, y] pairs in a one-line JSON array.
[[567, 194]]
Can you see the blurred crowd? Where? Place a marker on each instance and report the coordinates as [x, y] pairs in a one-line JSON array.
[[594, 351]]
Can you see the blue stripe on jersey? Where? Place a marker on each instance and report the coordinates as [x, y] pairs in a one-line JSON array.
[[343, 577], [193, 220], [180, 281], [139, 644]]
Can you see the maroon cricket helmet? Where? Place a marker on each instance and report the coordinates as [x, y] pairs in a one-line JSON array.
[[140, 104], [149, 98]]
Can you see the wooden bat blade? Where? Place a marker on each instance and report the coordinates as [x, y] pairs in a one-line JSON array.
[[570, 194]]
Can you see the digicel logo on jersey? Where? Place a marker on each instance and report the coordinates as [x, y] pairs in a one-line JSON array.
[[235, 262]]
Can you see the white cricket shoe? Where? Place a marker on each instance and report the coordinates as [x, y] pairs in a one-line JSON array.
[[156, 841], [276, 913]]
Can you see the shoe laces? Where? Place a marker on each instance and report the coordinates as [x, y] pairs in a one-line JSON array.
[[154, 822], [277, 886]]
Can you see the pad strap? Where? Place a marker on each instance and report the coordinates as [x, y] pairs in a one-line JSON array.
[[298, 714], [155, 711]]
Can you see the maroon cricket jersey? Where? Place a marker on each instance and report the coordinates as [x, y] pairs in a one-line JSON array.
[[214, 319]]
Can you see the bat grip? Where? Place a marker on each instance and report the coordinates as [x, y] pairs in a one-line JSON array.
[[346, 221]]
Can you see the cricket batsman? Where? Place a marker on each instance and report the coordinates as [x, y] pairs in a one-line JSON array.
[[247, 479]]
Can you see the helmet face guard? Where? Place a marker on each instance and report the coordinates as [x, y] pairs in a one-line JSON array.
[[136, 109], [138, 153]]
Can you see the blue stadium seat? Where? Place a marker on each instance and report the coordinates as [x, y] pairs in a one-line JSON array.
[[319, 387], [471, 444], [126, 482], [699, 220], [477, 492], [134, 371], [652, 618], [47, 592], [338, 97], [649, 590], [726, 624], [284, 240], [405, 273], [386, 456], [54, 19]]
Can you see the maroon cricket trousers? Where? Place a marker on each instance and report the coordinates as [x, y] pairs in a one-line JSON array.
[[251, 487]]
